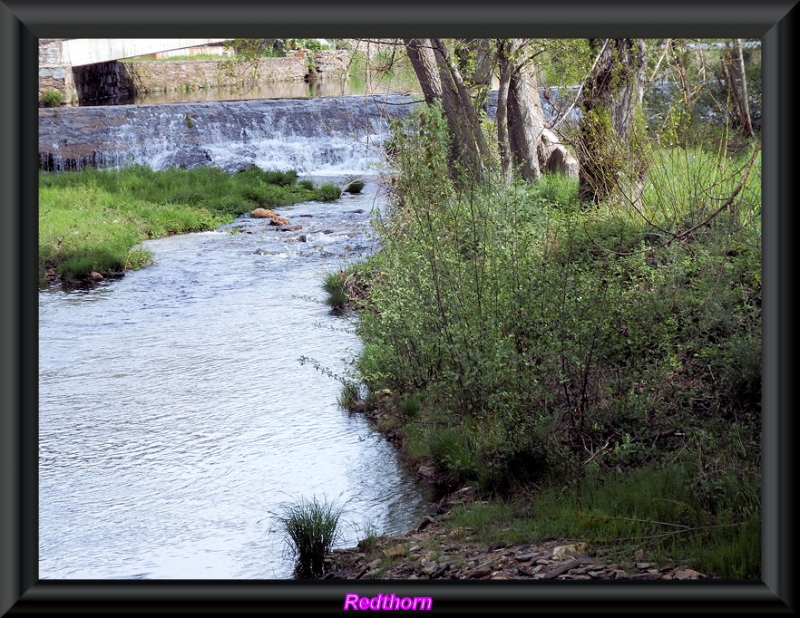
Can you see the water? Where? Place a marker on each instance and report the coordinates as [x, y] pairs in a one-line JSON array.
[[324, 135], [175, 416], [274, 90]]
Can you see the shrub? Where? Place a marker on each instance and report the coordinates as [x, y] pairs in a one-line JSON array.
[[329, 192], [53, 98], [350, 395]]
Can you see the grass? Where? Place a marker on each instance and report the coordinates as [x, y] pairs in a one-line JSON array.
[[312, 527], [95, 220], [53, 98], [334, 286], [649, 510]]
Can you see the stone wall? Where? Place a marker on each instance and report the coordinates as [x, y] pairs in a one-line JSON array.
[[93, 83], [189, 75], [53, 76]]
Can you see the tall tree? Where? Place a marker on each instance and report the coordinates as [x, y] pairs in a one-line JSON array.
[[612, 107], [440, 79], [734, 81]]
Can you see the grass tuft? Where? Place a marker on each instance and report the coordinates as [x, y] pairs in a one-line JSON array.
[[312, 527]]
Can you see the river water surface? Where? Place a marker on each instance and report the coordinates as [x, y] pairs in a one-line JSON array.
[[176, 416]]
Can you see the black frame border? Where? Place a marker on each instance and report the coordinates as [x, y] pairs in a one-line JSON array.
[[22, 23]]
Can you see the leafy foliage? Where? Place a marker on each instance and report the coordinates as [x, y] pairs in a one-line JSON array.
[[548, 344]]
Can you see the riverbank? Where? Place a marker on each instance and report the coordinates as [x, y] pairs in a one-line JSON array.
[[580, 382], [438, 549], [92, 222], [456, 541]]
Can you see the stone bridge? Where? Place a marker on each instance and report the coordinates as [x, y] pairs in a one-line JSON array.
[[86, 70]]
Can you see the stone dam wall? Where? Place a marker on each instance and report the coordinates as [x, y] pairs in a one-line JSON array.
[[108, 80]]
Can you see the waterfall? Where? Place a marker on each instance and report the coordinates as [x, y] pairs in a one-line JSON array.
[[331, 135]]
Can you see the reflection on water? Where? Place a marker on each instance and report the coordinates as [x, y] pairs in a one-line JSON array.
[[274, 90]]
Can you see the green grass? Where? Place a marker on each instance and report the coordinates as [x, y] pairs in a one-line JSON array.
[[95, 220], [651, 510], [312, 527], [334, 286]]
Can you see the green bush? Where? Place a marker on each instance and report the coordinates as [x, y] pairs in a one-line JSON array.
[[329, 192], [53, 98], [334, 286], [566, 336]]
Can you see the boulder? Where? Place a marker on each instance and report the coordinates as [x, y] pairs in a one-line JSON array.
[[554, 156]]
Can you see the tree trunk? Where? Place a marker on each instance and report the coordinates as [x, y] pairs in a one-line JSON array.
[[441, 80], [523, 141], [475, 58], [525, 121], [612, 100], [501, 114], [736, 86]]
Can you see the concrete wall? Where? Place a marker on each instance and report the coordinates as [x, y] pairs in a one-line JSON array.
[[79, 52]]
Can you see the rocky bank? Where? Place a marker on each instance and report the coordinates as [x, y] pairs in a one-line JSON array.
[[436, 551]]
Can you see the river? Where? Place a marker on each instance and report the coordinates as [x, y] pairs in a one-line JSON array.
[[175, 414]]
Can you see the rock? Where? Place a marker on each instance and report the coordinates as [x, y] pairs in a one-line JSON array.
[[262, 213], [478, 572], [687, 574], [565, 551], [563, 568], [96, 276], [354, 186], [278, 220], [554, 156], [426, 471], [392, 552]]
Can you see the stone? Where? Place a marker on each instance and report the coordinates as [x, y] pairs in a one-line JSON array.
[[97, 276], [688, 574], [478, 572], [393, 552], [262, 213], [567, 551], [426, 471]]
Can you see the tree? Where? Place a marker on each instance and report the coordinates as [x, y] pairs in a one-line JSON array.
[[734, 82], [525, 144], [440, 79], [612, 111]]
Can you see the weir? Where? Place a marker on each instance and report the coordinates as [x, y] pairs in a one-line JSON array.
[[324, 135]]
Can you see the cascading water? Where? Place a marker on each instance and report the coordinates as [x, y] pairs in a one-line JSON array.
[[332, 135]]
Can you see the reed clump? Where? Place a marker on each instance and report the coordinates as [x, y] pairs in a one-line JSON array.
[[312, 527]]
